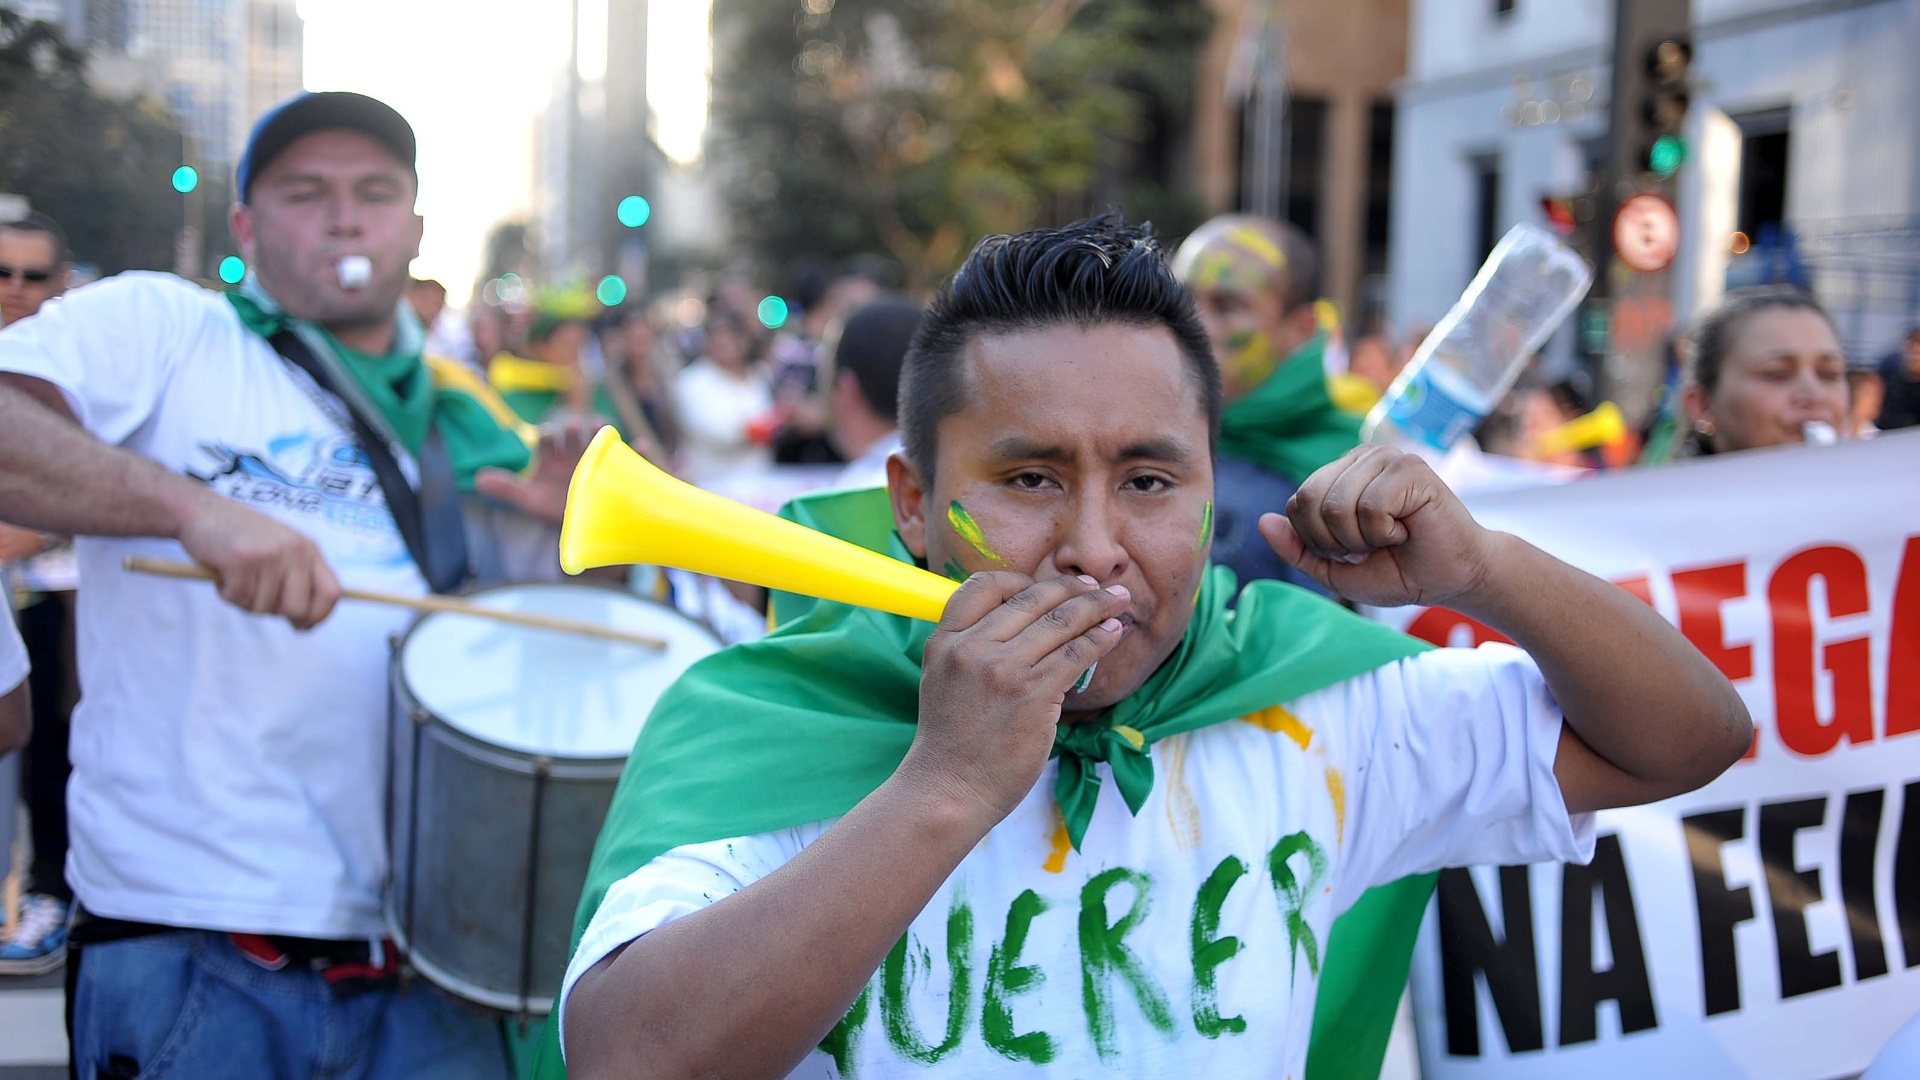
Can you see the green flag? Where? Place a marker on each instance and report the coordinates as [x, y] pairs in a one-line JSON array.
[[1289, 425], [822, 711]]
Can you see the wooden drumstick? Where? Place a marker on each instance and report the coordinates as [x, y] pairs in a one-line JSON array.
[[445, 604]]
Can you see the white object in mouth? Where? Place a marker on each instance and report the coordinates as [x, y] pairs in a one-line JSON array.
[[355, 271], [1819, 433]]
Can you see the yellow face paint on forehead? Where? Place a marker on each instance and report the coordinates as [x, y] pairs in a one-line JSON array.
[[1252, 240]]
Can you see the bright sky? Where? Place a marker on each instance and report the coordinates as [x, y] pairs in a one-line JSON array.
[[472, 76]]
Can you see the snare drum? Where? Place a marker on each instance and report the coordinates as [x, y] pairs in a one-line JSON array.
[[507, 744]]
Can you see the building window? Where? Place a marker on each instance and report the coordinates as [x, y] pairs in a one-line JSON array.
[[1306, 159], [1288, 185], [1485, 170], [1379, 184], [1765, 139]]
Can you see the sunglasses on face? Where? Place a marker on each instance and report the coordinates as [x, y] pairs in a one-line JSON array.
[[31, 277]]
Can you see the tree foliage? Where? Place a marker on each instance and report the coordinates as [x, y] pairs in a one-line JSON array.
[[913, 127], [100, 168]]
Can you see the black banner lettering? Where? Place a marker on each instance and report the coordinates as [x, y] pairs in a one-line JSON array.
[[1906, 876], [1791, 892], [1582, 989], [1859, 836], [1468, 948], [1720, 908]]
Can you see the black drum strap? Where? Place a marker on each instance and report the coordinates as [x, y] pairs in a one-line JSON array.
[[429, 520]]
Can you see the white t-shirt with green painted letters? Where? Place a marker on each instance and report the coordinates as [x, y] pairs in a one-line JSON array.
[[1186, 941]]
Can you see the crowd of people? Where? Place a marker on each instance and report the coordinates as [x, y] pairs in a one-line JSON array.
[[1144, 467]]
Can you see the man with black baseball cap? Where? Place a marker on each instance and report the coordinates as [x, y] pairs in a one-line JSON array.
[[228, 844]]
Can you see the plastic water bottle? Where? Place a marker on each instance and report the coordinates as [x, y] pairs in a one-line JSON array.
[[1529, 285]]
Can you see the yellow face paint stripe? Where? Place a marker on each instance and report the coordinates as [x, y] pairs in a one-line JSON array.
[[1281, 722], [1206, 526], [969, 530], [1256, 243]]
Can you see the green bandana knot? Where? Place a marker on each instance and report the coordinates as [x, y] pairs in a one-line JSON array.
[[1080, 748]]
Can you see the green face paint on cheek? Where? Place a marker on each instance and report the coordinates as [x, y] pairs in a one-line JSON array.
[[969, 530], [955, 571]]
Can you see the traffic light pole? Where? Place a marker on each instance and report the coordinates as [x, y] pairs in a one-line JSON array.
[[1646, 90]]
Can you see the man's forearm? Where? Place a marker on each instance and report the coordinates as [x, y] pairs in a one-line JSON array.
[[57, 478], [1635, 691], [747, 987]]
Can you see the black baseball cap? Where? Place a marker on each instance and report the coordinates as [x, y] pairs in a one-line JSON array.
[[304, 114]]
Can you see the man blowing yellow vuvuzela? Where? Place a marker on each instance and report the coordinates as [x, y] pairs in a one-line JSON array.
[[873, 847]]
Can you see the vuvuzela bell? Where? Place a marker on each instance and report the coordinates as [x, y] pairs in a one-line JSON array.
[[622, 510]]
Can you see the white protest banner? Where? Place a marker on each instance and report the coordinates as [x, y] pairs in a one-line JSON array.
[[1768, 925]]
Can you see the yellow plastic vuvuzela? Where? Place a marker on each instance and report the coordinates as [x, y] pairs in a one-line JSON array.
[[622, 510], [1604, 426]]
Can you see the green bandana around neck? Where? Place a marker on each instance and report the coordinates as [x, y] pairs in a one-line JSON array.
[[822, 711], [402, 387], [1289, 424]]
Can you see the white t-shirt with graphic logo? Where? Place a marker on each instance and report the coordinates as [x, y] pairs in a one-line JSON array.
[[228, 772], [1186, 941]]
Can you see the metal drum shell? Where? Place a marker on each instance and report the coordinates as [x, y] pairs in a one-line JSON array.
[[489, 848]]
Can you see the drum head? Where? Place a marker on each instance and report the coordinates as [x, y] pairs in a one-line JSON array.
[[545, 691]]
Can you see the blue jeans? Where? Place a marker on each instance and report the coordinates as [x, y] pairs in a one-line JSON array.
[[188, 1004]]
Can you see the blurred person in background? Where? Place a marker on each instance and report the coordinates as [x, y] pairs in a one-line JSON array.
[[724, 403], [797, 362], [1373, 356], [1866, 397], [634, 396], [549, 377], [1254, 282], [1766, 362], [863, 389], [427, 298], [487, 332], [34, 265], [1900, 376]]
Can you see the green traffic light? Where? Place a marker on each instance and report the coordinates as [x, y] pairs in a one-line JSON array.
[[634, 211], [612, 291], [185, 179], [773, 312], [1669, 152]]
